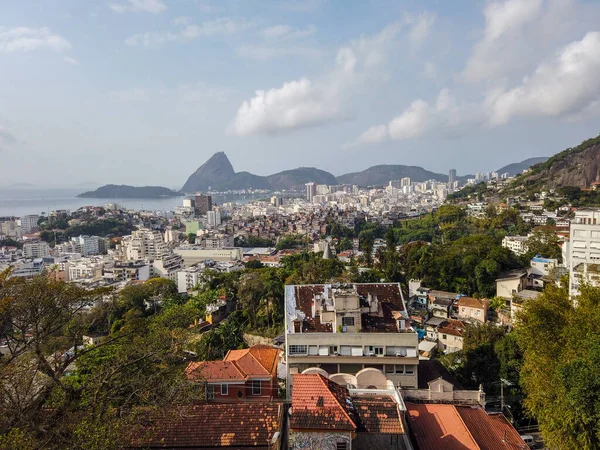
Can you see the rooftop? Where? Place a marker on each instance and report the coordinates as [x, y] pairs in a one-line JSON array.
[[470, 302], [249, 425], [381, 306], [432, 369]]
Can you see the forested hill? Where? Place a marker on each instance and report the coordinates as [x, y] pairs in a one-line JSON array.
[[124, 191]]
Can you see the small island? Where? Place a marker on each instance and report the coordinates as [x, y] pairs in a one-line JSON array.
[[124, 191]]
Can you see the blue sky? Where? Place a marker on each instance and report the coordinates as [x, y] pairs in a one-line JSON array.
[[144, 91]]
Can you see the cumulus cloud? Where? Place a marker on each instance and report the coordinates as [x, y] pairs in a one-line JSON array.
[[510, 27], [24, 39], [304, 103], [569, 83], [420, 27], [187, 32], [445, 116], [149, 6]]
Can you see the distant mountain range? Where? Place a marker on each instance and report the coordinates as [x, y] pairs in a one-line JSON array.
[[217, 174], [577, 166], [124, 191], [517, 168]]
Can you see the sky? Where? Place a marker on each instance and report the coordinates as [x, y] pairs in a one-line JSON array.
[[142, 92]]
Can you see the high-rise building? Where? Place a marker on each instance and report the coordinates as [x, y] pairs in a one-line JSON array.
[[202, 204], [213, 218], [405, 182], [311, 191], [29, 223], [276, 201], [37, 249], [584, 249], [452, 176], [322, 189]]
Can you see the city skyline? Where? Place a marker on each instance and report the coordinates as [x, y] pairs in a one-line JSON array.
[[117, 91]]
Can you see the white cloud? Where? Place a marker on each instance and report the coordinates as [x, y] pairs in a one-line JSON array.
[[305, 103], [70, 60], [567, 84], [446, 116], [185, 33], [288, 32], [182, 20], [499, 48], [304, 6], [420, 27], [296, 104], [23, 39], [150, 6]]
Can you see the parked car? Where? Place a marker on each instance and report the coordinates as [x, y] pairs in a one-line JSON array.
[[529, 440]]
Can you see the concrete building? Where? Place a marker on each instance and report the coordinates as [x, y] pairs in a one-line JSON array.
[[311, 191], [213, 218], [405, 182], [202, 204], [584, 249], [29, 223], [451, 177], [188, 278], [84, 270], [132, 271], [144, 244], [194, 254], [347, 328], [89, 245], [516, 244], [37, 249], [167, 266]]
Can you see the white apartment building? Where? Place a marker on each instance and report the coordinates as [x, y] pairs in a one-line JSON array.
[[89, 245], [516, 244], [29, 222], [37, 249], [213, 218], [194, 254], [347, 328], [187, 278], [168, 265], [584, 249], [144, 244], [85, 270], [405, 182]]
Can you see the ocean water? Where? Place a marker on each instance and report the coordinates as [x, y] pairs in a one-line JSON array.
[[19, 202]]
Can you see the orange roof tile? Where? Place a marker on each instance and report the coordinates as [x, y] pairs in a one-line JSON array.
[[321, 404], [249, 425], [378, 414], [258, 360], [436, 426], [491, 431], [214, 371]]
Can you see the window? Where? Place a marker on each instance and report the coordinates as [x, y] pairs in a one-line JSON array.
[[376, 350], [463, 310], [341, 445], [477, 312], [297, 349], [256, 387], [210, 392], [444, 336], [409, 370], [224, 389], [348, 321]]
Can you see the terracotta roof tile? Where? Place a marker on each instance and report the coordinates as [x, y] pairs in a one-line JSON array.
[[214, 371], [436, 426], [470, 302], [259, 360], [491, 431], [212, 425], [378, 414], [321, 404]]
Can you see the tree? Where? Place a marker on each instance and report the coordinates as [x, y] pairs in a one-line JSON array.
[[191, 238], [544, 242], [561, 366]]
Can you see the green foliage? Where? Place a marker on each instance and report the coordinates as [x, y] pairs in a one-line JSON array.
[[216, 342], [290, 241], [10, 243], [254, 264], [472, 191], [544, 242], [253, 241], [561, 369]]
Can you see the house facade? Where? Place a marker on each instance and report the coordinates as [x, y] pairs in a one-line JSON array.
[[473, 308], [248, 375], [348, 328]]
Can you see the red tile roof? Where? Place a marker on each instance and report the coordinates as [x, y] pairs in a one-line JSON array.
[[214, 371], [321, 404], [238, 365], [436, 426], [378, 414], [452, 427], [233, 425], [491, 431]]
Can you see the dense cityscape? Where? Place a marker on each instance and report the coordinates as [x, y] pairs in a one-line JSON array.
[[403, 251]]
